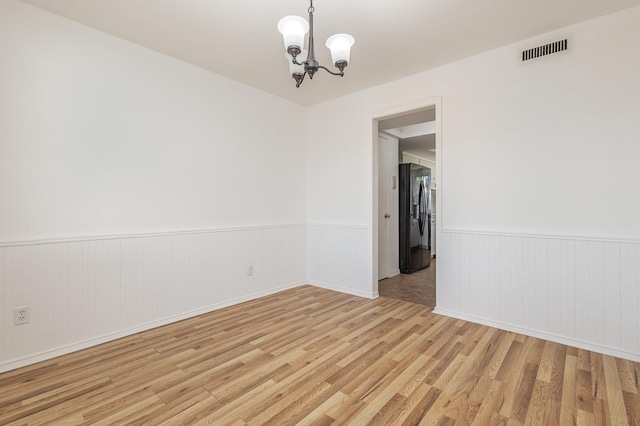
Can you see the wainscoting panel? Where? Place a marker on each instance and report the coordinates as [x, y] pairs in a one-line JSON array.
[[88, 291], [339, 258], [582, 292]]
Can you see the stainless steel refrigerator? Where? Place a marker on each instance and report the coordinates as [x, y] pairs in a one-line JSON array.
[[415, 217]]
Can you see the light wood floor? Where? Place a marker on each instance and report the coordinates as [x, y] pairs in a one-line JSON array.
[[312, 356]]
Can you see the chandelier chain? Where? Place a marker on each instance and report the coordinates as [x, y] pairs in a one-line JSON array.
[[311, 8]]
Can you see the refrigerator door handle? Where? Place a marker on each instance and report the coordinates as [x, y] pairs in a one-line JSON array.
[[422, 207], [429, 234]]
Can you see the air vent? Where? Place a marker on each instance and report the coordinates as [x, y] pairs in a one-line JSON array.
[[547, 49]]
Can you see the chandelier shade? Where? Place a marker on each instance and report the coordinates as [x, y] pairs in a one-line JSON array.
[[303, 62], [340, 46], [293, 30]]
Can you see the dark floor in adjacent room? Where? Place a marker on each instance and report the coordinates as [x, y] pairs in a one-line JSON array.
[[419, 287]]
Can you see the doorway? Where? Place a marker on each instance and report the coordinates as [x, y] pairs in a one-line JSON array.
[[418, 287], [404, 135]]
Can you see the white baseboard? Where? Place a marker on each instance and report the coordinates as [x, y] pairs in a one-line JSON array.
[[540, 335], [372, 295], [47, 355]]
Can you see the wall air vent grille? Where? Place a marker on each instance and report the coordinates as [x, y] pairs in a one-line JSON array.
[[547, 49]]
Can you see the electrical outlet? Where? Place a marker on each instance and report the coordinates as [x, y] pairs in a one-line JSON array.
[[20, 315], [249, 270]]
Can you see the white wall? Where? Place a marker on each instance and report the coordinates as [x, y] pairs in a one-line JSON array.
[[528, 152], [101, 136], [134, 188]]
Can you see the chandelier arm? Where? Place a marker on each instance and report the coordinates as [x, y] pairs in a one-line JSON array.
[[341, 73]]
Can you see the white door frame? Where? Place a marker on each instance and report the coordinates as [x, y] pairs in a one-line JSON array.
[[392, 112]]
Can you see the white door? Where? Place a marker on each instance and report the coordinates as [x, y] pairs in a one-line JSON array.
[[383, 209], [387, 207]]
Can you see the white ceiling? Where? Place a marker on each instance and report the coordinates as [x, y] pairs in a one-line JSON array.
[[415, 132], [238, 38], [419, 146]]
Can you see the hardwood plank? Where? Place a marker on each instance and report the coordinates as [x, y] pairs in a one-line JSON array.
[[316, 357], [600, 412], [422, 406], [389, 412], [376, 402], [347, 410], [499, 356], [418, 378], [584, 400], [475, 400], [46, 411], [568, 406], [584, 360], [615, 398], [283, 406], [171, 408], [626, 375], [557, 373], [491, 404], [632, 405], [470, 382], [584, 418], [539, 405], [598, 382], [318, 414], [523, 394], [513, 376], [546, 362]]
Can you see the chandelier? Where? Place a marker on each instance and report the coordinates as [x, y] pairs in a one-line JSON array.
[[302, 62]]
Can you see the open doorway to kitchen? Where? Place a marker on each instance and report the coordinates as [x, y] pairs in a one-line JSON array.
[[407, 218]]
